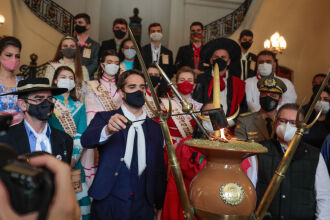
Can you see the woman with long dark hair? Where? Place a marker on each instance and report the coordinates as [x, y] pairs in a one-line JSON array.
[[67, 53], [10, 52]]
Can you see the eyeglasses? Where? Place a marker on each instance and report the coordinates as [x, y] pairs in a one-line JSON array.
[[38, 100], [126, 48], [284, 121]]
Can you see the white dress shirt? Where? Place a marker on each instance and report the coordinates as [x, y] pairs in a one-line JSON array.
[[155, 52], [104, 137], [244, 67], [252, 93], [40, 138]]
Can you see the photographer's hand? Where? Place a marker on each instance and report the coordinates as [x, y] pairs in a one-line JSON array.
[[64, 204]]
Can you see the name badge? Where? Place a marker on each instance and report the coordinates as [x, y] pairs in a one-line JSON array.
[[252, 65], [87, 53], [165, 59]]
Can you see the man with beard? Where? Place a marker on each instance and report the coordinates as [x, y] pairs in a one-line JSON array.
[[130, 179]]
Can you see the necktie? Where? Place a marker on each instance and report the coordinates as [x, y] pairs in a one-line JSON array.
[[269, 126], [243, 70]]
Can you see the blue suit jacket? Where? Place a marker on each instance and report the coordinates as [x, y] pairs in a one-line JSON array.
[[114, 149]]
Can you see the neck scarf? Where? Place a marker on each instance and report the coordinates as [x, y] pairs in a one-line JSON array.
[[222, 84], [135, 128], [82, 41], [196, 55]]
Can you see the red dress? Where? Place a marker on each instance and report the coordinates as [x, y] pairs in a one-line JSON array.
[[189, 160]]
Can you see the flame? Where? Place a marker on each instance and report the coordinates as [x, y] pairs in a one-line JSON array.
[[222, 134]]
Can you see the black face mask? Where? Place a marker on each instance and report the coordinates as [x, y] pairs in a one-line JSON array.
[[221, 63], [68, 53], [155, 80], [80, 29], [268, 103], [119, 34], [42, 110], [246, 45], [135, 99]]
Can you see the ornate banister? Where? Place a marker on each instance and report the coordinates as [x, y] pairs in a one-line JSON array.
[[32, 70], [52, 14], [227, 25]]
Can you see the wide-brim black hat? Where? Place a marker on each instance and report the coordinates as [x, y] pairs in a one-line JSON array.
[[34, 85], [227, 44]]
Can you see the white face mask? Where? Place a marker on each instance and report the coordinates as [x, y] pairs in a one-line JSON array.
[[324, 105], [208, 126], [129, 53], [265, 69], [66, 83], [286, 131], [111, 69], [156, 36]]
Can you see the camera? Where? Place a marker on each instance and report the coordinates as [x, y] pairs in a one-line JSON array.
[[30, 188]]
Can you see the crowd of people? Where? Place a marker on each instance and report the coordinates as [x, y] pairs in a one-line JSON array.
[[89, 111]]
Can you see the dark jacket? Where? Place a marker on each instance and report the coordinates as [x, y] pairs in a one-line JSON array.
[[169, 68], [91, 62], [113, 150], [251, 67], [185, 57], [61, 143], [295, 198], [108, 45]]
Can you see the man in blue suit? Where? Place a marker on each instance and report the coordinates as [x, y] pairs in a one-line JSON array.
[[130, 180]]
